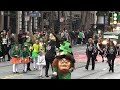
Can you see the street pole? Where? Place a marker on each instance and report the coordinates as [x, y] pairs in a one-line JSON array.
[[42, 24], [58, 21], [70, 20]]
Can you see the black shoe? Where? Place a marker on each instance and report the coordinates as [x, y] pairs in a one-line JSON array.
[[109, 69], [96, 60], [113, 70], [17, 72], [86, 68], [29, 69], [24, 71], [14, 72], [46, 75], [102, 60], [92, 69]]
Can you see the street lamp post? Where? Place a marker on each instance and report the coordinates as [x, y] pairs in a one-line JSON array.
[[100, 21]]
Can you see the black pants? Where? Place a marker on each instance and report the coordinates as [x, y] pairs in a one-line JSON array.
[[111, 60], [48, 63], [95, 56], [28, 66], [90, 57], [5, 51]]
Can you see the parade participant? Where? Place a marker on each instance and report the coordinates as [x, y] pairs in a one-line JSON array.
[[90, 53], [25, 58], [5, 46], [42, 44], [36, 49], [41, 61], [31, 59], [63, 65], [15, 58], [28, 43], [51, 51], [95, 52], [101, 49], [111, 55]]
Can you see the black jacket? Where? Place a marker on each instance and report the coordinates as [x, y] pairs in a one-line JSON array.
[[50, 54], [90, 49], [111, 51]]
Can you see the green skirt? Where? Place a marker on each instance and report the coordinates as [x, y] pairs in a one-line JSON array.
[[34, 54]]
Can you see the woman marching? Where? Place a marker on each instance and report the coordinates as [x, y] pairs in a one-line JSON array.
[[90, 53], [111, 55], [25, 58], [101, 49], [15, 58], [51, 51]]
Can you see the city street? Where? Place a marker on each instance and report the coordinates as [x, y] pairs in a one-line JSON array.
[[100, 72]]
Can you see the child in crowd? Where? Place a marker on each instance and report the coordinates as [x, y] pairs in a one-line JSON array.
[[15, 58], [41, 61], [25, 58]]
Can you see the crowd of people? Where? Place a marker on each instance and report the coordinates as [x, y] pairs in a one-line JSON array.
[[43, 49], [40, 49], [95, 47]]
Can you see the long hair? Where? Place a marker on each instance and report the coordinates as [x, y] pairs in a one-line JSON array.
[[57, 40]]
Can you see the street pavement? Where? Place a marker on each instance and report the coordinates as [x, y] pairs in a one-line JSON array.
[[101, 68]]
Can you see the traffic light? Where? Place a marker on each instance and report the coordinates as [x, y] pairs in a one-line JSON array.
[[115, 18]]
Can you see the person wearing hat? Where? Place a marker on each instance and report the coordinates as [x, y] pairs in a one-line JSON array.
[[63, 64], [25, 58], [15, 58]]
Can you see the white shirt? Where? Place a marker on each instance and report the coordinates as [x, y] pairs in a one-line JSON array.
[[41, 60]]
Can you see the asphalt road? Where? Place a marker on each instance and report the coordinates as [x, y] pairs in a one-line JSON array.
[[101, 70]]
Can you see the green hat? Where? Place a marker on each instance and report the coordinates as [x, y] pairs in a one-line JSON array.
[[65, 47]]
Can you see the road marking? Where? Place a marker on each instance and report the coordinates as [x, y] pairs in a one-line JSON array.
[[105, 69], [11, 76]]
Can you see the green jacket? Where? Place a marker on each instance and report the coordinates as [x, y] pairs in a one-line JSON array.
[[25, 54], [16, 53], [61, 76]]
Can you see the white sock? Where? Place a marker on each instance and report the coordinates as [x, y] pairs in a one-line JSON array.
[[25, 67], [34, 63], [14, 68], [41, 69]]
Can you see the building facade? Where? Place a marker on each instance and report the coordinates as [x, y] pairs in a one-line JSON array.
[[46, 20]]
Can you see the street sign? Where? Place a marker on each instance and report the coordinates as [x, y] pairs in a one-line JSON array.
[[35, 14]]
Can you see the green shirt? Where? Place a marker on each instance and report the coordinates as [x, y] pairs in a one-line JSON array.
[[80, 34]]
